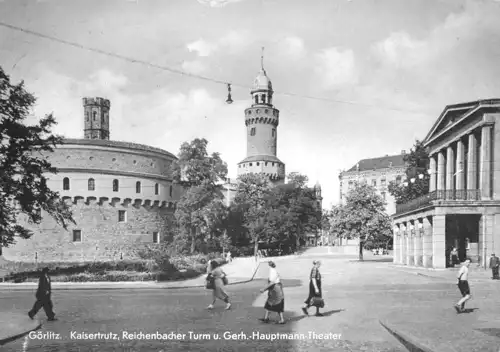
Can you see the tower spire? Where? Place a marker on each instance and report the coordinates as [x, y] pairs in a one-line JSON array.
[[262, 59]]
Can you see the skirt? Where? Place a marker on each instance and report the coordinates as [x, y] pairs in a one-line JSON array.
[[312, 292], [275, 299], [219, 291]]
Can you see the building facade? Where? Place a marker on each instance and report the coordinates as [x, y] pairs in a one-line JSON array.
[[462, 208], [121, 194], [377, 172]]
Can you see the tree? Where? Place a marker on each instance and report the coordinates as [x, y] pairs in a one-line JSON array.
[[417, 164], [23, 182], [362, 216], [200, 208], [251, 200]]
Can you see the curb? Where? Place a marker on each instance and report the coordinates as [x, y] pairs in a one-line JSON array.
[[18, 336], [410, 343]]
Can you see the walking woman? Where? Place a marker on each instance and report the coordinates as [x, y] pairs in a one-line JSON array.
[[275, 296], [314, 289], [219, 279]]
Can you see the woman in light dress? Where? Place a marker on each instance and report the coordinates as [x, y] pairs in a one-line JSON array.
[[218, 291], [276, 298]]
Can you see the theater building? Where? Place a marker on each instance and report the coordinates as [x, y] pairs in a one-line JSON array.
[[462, 208]]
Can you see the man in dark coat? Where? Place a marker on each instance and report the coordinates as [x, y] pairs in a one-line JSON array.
[[494, 264], [43, 297]]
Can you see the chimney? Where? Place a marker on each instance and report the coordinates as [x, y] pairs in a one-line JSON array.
[[403, 152]]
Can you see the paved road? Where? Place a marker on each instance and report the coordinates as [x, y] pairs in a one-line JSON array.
[[358, 295]]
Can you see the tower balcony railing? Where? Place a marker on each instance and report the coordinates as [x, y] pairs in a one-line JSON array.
[[427, 199]]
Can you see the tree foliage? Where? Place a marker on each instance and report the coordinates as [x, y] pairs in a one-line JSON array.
[[200, 212], [362, 216], [23, 167], [417, 161]]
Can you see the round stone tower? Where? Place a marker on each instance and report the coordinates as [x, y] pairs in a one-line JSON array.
[[96, 115], [262, 120]]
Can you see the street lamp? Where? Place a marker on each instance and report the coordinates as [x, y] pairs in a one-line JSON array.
[[229, 100]]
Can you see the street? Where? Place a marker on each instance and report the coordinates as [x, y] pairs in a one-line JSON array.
[[357, 295]]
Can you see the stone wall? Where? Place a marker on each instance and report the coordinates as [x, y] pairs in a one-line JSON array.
[[103, 237]]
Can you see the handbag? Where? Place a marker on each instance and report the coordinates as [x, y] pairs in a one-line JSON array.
[[225, 281], [317, 302], [210, 283]]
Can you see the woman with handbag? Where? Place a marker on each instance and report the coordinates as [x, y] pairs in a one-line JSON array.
[[315, 295], [216, 279], [275, 297]]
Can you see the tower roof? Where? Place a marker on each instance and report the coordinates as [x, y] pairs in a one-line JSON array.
[[262, 81]]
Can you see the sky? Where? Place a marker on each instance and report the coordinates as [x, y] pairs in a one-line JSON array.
[[380, 71]]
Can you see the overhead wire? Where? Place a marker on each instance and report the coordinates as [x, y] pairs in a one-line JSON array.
[[192, 75]]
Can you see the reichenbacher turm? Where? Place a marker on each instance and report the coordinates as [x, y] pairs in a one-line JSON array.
[[262, 120]]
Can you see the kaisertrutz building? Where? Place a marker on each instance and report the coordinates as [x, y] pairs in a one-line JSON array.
[[463, 207], [262, 120], [377, 172], [121, 194]]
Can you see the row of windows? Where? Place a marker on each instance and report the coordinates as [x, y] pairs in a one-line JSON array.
[[253, 131], [263, 99], [116, 186], [382, 194], [77, 236], [266, 111], [250, 164], [383, 181], [94, 117]]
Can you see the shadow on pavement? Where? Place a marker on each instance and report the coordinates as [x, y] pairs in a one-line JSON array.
[[495, 332], [469, 310], [332, 312], [381, 260]]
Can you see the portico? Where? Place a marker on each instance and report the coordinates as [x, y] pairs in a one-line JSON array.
[[462, 208]]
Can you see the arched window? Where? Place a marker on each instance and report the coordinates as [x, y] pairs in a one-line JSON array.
[[263, 98], [66, 184], [138, 187], [170, 190], [95, 115], [87, 115], [115, 186], [252, 131], [256, 99], [91, 184], [157, 189], [273, 133]]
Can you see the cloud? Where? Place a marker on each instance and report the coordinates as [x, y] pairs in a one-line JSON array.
[[336, 67], [201, 47], [194, 67], [401, 50], [294, 46], [232, 42], [217, 3]]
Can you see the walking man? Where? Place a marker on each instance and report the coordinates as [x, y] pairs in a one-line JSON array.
[[43, 297], [494, 264], [463, 286]]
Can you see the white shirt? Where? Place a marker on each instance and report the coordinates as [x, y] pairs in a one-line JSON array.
[[274, 277], [463, 273]]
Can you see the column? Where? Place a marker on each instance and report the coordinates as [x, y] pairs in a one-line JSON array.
[[397, 245], [439, 241], [433, 169], [402, 237], [450, 171], [485, 171], [417, 244], [472, 163], [440, 172], [410, 254], [460, 178], [486, 238], [427, 243]]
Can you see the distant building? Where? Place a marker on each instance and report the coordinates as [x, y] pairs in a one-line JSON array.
[[377, 172]]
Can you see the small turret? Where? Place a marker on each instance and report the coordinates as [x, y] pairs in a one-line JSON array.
[[96, 118]]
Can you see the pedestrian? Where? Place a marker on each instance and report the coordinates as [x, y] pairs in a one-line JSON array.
[[228, 257], [463, 286], [275, 297], [494, 264], [315, 293], [219, 279], [43, 297], [453, 257]]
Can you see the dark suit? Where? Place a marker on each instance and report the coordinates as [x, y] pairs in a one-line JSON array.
[[43, 298], [494, 264]]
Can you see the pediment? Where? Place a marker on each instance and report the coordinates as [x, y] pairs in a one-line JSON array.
[[449, 117]]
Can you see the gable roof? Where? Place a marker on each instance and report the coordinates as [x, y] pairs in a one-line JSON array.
[[379, 163], [456, 112]]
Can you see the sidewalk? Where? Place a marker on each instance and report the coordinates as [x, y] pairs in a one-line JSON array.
[[15, 326], [475, 275]]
